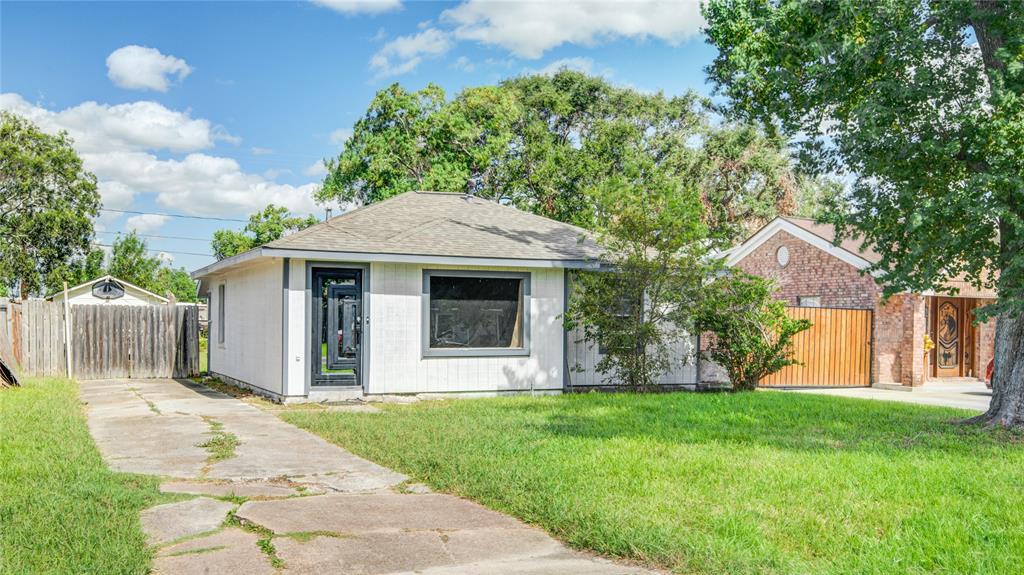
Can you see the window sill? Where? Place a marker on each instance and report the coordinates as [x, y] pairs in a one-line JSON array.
[[477, 352]]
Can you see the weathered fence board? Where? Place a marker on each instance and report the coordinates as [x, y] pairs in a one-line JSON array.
[[106, 341]]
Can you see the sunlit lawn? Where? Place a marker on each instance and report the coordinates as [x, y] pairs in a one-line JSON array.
[[61, 509], [764, 482]]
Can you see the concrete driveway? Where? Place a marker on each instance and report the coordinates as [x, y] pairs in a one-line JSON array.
[[272, 498], [971, 395]]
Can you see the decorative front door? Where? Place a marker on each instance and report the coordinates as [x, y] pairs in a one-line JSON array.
[[948, 337], [337, 323]]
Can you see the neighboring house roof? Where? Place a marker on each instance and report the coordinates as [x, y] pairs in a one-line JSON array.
[[852, 250], [434, 227], [87, 286]]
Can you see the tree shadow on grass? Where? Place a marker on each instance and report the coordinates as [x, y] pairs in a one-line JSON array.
[[772, 419]]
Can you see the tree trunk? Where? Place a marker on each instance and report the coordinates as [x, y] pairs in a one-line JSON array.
[[1007, 407]]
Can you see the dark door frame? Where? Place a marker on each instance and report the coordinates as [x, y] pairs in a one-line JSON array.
[[315, 271]]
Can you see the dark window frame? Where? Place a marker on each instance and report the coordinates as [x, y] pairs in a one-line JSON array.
[[221, 290], [427, 351]]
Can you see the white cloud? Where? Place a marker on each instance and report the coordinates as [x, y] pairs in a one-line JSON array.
[[316, 169], [404, 53], [341, 135], [133, 126], [199, 183], [141, 68], [350, 7], [584, 65], [529, 29], [256, 151], [117, 143], [115, 194], [463, 63], [145, 223]]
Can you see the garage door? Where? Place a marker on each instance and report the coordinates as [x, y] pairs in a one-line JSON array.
[[834, 352]]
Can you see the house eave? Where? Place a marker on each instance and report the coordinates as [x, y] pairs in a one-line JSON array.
[[736, 254], [367, 257]]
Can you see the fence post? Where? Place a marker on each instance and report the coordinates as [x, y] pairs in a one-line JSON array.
[[67, 331]]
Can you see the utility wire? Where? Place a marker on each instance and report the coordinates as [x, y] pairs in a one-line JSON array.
[[174, 215], [159, 237], [158, 251]]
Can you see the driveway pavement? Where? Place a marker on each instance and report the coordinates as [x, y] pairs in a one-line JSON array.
[[962, 394], [285, 501]]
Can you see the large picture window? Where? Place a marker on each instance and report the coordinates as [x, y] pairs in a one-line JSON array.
[[475, 313]]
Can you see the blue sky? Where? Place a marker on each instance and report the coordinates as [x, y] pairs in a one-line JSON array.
[[216, 109]]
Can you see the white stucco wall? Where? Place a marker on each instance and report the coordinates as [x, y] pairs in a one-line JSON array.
[[251, 352], [396, 362]]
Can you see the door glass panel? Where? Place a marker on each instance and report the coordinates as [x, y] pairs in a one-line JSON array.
[[948, 332], [339, 325]]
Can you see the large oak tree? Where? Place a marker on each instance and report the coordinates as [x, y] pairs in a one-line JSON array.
[[533, 141], [922, 103]]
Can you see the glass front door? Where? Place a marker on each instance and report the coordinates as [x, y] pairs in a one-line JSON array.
[[338, 327]]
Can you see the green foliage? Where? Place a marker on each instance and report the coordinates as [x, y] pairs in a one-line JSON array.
[[47, 202], [656, 251], [57, 494], [265, 226], [923, 102], [176, 281], [76, 271], [750, 330], [534, 141], [713, 483], [130, 261]]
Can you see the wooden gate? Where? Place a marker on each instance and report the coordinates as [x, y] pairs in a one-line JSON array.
[[834, 352], [105, 341]]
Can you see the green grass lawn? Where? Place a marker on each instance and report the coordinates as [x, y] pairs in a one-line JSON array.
[[763, 482], [61, 509]]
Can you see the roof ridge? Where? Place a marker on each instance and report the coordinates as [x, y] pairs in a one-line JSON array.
[[361, 209]]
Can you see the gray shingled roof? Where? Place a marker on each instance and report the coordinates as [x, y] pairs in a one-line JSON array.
[[445, 224]]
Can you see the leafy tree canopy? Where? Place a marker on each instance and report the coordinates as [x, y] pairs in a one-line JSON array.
[[47, 203], [923, 104], [920, 101], [533, 141], [265, 226]]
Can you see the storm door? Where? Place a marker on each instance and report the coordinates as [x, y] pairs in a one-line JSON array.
[[338, 327]]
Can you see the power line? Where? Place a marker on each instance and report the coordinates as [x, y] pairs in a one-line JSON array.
[[165, 251], [159, 237], [174, 215]]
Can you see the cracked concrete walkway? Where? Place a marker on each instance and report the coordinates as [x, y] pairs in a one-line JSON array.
[[286, 501]]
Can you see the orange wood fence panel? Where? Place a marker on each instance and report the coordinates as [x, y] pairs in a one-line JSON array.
[[834, 352]]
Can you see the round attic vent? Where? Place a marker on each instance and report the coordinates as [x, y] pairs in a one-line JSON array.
[[782, 255]]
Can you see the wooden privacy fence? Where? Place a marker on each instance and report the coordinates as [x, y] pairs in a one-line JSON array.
[[106, 341], [834, 352]]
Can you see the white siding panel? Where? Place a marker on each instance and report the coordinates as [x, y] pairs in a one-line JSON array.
[[397, 365], [297, 353], [251, 352]]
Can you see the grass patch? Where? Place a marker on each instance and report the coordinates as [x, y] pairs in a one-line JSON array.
[[765, 482], [266, 538], [61, 509], [221, 444], [152, 406], [307, 536]]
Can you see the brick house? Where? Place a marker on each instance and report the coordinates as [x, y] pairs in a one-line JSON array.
[[812, 270]]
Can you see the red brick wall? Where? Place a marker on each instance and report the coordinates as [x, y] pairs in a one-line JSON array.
[[899, 324], [811, 272]]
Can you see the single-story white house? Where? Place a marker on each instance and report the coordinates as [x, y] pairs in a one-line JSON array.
[[108, 290], [422, 293]]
